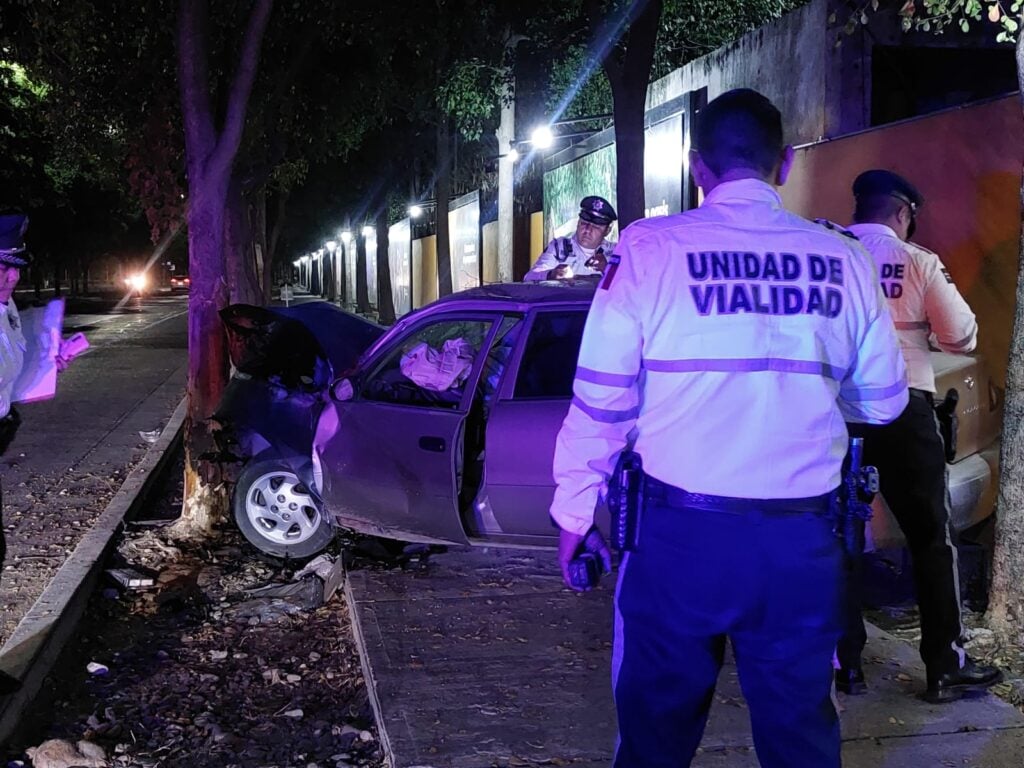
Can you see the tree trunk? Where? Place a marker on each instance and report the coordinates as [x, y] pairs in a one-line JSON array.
[[258, 226], [1006, 596], [385, 297], [275, 236], [239, 248], [506, 182], [209, 157], [362, 288], [443, 193], [628, 67]]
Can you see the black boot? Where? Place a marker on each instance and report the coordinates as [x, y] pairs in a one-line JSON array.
[[850, 680], [8, 684], [951, 686]]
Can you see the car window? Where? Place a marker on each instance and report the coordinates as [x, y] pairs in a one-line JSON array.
[[497, 358], [549, 359], [430, 367]]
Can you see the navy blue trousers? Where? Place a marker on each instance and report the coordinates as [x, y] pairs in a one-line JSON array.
[[771, 583]]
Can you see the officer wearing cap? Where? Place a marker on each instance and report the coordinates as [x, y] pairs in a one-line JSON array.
[[728, 344], [909, 451], [586, 252], [13, 258]]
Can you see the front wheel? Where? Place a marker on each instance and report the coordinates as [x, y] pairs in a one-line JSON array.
[[276, 512]]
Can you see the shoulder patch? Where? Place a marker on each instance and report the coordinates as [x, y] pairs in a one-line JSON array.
[[836, 228], [609, 271]]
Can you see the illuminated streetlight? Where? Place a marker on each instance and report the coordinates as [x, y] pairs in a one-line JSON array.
[[415, 211], [369, 231], [345, 236], [542, 137], [331, 246], [512, 155]]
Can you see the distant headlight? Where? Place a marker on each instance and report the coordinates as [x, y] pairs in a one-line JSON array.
[[136, 282]]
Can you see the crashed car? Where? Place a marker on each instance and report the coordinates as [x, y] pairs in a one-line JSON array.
[[442, 429]]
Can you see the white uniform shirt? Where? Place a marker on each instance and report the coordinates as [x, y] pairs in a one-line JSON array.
[[12, 353], [554, 256], [923, 301], [757, 334]]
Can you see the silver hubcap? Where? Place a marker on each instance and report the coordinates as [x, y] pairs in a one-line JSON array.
[[281, 509]]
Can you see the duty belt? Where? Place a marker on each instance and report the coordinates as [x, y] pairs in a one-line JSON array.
[[663, 493], [922, 394]]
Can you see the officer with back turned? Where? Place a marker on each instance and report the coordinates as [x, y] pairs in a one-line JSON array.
[[909, 452], [733, 341]]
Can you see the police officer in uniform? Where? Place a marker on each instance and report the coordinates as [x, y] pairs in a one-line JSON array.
[[586, 252], [13, 258], [909, 451], [733, 341]]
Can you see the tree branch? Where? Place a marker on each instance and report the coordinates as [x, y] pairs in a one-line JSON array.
[[245, 76], [193, 79]]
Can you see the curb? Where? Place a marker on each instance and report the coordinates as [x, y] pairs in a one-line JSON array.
[[369, 681], [34, 646]]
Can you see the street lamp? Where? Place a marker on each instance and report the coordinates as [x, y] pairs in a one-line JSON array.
[[415, 211], [368, 231], [346, 236], [542, 137], [331, 246], [512, 155]]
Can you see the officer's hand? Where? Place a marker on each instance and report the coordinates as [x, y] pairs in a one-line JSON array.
[[561, 272], [568, 545], [597, 262]]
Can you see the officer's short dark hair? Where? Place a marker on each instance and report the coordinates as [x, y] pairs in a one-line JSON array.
[[739, 129], [876, 207]]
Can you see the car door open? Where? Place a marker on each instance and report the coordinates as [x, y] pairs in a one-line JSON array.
[[390, 457]]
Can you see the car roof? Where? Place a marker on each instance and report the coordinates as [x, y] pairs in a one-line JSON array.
[[522, 295]]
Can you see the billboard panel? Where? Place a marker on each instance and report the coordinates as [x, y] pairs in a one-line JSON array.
[[400, 265], [464, 237], [565, 186], [663, 167], [371, 238]]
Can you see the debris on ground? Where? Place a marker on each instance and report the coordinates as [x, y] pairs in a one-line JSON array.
[[198, 665], [58, 753]]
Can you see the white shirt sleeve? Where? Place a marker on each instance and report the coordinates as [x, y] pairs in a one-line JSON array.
[[606, 396], [547, 261], [952, 322]]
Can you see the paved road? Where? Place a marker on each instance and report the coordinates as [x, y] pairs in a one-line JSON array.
[[73, 452]]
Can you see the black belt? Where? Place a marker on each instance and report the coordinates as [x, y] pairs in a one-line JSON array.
[[670, 495], [923, 395]]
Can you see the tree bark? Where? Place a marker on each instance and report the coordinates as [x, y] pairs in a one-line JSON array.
[[443, 193], [506, 181], [362, 288], [209, 156], [240, 238], [385, 297], [628, 68], [1006, 596]]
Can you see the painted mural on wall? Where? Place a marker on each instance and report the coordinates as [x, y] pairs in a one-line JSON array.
[[400, 265], [565, 186], [464, 237]]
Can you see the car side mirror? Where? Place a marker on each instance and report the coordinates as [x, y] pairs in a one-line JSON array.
[[342, 390]]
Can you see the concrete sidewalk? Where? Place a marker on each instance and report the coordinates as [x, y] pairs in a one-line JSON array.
[[483, 659]]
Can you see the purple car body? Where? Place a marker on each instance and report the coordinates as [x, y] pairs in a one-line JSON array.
[[472, 464]]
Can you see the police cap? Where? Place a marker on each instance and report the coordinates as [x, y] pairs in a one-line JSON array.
[[12, 240], [597, 210], [882, 182]]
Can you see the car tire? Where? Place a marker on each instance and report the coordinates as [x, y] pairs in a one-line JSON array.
[[277, 514]]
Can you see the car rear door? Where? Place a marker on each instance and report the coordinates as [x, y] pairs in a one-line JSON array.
[[524, 422], [389, 457]]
